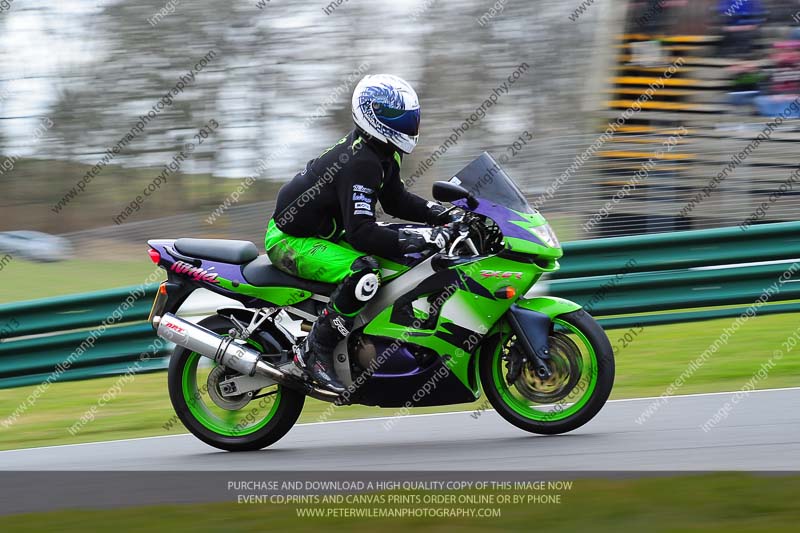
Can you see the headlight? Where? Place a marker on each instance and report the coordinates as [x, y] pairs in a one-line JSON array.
[[546, 234]]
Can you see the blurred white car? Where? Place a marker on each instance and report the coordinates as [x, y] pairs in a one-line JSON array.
[[35, 246]]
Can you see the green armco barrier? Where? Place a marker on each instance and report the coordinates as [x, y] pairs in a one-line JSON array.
[[98, 371], [625, 281], [680, 250], [50, 330], [649, 292], [77, 311], [115, 344]]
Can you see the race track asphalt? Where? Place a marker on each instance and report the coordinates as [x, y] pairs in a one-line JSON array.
[[761, 432]]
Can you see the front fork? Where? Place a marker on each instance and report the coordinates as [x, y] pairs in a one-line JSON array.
[[532, 330], [531, 320]]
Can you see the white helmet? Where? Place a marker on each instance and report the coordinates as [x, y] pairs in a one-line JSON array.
[[387, 108]]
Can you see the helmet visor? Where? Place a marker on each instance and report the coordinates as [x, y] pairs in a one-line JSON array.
[[403, 120]]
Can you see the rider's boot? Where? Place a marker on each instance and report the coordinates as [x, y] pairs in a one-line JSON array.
[[315, 355]]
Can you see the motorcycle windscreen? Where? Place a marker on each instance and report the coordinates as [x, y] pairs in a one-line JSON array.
[[486, 179]]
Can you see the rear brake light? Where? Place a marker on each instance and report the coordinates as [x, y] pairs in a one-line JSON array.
[[155, 257]]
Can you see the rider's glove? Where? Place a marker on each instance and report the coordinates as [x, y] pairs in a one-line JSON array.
[[417, 239], [438, 215]]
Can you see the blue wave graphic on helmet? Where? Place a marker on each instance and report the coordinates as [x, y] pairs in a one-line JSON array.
[[383, 94]]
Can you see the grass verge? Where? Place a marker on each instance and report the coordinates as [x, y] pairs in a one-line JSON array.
[[28, 280]]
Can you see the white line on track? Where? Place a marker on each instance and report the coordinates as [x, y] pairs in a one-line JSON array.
[[373, 419]]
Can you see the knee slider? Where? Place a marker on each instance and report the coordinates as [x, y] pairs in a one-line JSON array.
[[359, 287], [367, 286], [365, 279]]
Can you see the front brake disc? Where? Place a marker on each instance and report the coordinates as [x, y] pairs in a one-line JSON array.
[[565, 364]]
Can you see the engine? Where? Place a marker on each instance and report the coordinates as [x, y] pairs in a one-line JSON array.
[[385, 356]]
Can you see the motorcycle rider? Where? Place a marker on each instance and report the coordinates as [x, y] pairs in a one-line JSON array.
[[324, 226]]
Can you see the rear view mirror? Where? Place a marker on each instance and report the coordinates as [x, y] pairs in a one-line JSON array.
[[444, 191]]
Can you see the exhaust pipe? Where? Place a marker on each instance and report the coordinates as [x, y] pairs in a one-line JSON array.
[[227, 353]]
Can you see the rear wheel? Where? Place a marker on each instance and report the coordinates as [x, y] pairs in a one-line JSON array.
[[250, 421], [582, 366]]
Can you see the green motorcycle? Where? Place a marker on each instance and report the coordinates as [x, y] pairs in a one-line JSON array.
[[442, 328]]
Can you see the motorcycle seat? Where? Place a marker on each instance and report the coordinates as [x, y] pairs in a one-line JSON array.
[[261, 273], [226, 251]]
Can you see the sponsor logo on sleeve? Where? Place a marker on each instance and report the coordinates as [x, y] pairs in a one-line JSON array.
[[361, 188], [359, 197], [363, 205]]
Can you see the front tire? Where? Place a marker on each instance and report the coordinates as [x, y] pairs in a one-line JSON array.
[[579, 345], [257, 424]]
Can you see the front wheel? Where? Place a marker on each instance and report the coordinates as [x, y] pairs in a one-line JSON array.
[[582, 366], [250, 422]]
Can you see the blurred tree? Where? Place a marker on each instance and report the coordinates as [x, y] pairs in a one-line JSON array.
[[106, 64]]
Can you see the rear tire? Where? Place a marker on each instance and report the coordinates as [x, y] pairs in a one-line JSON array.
[[186, 397], [599, 380]]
